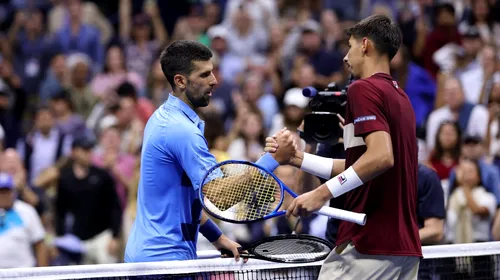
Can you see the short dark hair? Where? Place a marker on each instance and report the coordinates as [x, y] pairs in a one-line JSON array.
[[178, 58], [385, 35]]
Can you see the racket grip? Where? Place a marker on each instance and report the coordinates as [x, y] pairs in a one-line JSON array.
[[229, 253], [358, 218]]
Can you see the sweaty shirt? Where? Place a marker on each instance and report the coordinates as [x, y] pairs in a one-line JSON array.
[[174, 159], [375, 104]]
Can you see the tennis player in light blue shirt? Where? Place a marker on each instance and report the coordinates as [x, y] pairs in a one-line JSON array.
[[174, 159]]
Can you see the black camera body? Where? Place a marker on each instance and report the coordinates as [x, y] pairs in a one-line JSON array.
[[322, 124]]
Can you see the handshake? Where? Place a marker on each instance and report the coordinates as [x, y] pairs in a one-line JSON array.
[[283, 147]]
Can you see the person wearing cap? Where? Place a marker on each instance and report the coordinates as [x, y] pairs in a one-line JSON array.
[[88, 195], [327, 65], [469, 69], [21, 232], [293, 113]]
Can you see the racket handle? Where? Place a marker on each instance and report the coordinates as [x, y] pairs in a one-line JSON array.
[[358, 218]]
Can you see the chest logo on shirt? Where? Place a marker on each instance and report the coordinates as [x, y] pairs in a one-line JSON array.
[[365, 118]]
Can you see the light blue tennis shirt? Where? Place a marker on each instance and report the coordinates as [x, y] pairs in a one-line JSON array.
[[174, 159]]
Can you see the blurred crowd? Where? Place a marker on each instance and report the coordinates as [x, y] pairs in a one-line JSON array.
[[79, 80]]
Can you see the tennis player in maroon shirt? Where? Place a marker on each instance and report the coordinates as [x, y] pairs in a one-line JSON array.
[[379, 175]]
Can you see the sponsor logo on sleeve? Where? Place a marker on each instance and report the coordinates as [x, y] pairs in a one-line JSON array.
[[365, 118]]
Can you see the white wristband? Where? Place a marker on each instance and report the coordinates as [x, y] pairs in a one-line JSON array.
[[344, 182], [318, 166]]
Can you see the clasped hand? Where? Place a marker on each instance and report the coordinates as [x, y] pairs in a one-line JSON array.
[[304, 204]]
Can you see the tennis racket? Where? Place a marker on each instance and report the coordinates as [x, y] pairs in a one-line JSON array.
[[286, 249], [242, 192]]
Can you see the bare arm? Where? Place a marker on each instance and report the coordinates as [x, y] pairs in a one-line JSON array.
[[125, 11], [495, 230], [432, 232], [41, 254], [377, 159]]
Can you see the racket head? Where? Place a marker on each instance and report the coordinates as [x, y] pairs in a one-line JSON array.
[[261, 199], [292, 248]]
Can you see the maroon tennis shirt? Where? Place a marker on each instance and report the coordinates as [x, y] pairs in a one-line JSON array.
[[389, 200]]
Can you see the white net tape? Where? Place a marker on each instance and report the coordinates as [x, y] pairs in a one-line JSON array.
[[210, 261]]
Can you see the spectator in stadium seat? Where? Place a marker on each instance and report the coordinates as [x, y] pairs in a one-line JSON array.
[[473, 149], [88, 194], [79, 88], [327, 65], [67, 121], [144, 106], [157, 86], [472, 118], [11, 164], [21, 231], [446, 154], [120, 165], [143, 36], [56, 78], [254, 92], [12, 103], [468, 66], [114, 73], [471, 210], [445, 31], [30, 48], [77, 36], [418, 85], [250, 143], [44, 145]]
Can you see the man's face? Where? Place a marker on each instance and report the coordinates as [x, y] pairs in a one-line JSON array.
[[82, 156], [127, 111], [311, 41], [6, 198], [472, 151], [44, 121], [453, 95], [471, 46], [200, 84], [355, 56]]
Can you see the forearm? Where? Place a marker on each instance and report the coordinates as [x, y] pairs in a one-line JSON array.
[[430, 236], [41, 253], [209, 229], [371, 165], [338, 165]]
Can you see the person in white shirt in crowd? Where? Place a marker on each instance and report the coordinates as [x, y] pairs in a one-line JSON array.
[[469, 68], [21, 231], [293, 113], [44, 145], [470, 212], [472, 118]]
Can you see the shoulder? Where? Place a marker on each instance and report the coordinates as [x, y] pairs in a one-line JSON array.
[[425, 174], [439, 113], [24, 209], [360, 87], [480, 110]]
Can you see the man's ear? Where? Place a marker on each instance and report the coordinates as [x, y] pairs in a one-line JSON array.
[[364, 45], [180, 81]]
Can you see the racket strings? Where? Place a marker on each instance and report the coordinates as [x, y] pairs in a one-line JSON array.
[[242, 192], [290, 250]]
